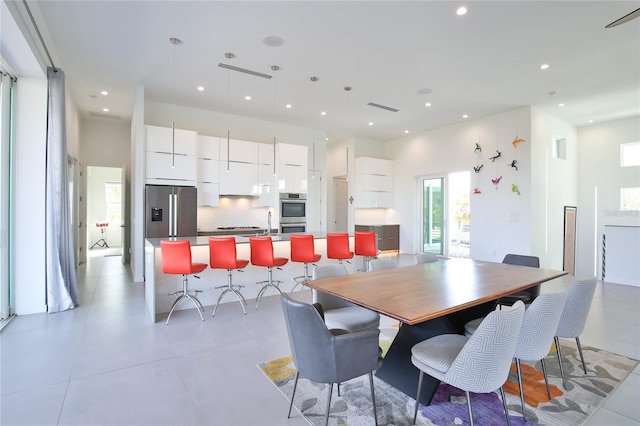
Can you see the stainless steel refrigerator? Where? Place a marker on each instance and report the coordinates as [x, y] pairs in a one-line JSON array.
[[171, 211]]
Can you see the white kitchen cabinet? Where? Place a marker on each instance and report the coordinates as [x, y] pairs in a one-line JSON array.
[[266, 175], [292, 168], [160, 139], [208, 182], [374, 183], [208, 194], [240, 151], [240, 179], [168, 162], [208, 147]]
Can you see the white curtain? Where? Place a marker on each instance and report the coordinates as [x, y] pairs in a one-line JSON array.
[[62, 293]]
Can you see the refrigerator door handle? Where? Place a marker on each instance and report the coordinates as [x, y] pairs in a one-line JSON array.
[[171, 215]]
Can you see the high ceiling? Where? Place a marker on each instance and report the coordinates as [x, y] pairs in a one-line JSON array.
[[398, 54]]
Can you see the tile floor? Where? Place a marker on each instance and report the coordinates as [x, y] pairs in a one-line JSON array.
[[103, 363]]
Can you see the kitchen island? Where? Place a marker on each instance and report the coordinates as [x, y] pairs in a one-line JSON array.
[[158, 285]]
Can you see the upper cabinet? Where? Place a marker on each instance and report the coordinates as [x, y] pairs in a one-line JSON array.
[[374, 183], [266, 175], [170, 157], [238, 151], [208, 184], [292, 168]]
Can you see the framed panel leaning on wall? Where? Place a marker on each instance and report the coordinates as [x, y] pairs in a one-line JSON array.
[[569, 246]]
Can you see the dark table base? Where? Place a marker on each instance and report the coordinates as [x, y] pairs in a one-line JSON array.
[[397, 369]]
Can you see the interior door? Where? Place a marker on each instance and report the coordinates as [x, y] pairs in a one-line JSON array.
[[124, 246]]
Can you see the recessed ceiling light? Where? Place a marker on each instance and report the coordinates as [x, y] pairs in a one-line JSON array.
[[428, 104], [465, 116], [200, 89], [289, 106], [371, 123], [104, 93], [461, 11], [560, 105], [323, 113], [248, 98], [544, 66], [105, 109], [406, 131], [590, 121]]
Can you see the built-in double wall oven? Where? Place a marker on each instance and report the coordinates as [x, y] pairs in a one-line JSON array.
[[293, 213]]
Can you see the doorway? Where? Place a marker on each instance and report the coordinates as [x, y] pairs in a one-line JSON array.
[[445, 214], [105, 211]]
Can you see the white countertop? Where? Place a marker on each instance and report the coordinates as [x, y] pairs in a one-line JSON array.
[[240, 239]]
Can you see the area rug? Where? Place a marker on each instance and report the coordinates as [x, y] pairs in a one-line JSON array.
[[573, 406]]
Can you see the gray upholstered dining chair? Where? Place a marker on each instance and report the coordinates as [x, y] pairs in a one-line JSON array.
[[425, 258], [479, 363], [328, 356], [536, 335], [381, 263], [526, 296], [574, 317], [339, 313]]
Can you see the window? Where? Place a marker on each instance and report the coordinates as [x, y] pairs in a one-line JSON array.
[[630, 199], [113, 201], [630, 154], [559, 148]]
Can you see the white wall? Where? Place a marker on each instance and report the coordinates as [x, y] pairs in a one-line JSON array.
[[500, 219], [105, 142], [554, 186], [599, 170], [29, 215]]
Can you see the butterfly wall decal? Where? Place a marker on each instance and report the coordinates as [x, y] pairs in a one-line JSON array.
[[476, 191], [514, 164], [496, 180], [498, 155], [478, 148], [477, 168], [514, 188]]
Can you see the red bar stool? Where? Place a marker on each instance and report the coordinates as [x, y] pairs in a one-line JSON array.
[[338, 247], [303, 251], [222, 255], [176, 259], [366, 245], [262, 255]]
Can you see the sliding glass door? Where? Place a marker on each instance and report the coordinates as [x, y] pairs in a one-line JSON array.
[[433, 215]]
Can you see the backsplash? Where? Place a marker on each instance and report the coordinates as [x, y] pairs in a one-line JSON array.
[[236, 212]]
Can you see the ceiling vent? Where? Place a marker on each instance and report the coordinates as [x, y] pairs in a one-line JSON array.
[[382, 107], [103, 115], [246, 71]]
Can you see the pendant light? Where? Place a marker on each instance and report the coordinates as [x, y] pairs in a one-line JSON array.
[[347, 90], [313, 153], [274, 68], [175, 42], [229, 56]]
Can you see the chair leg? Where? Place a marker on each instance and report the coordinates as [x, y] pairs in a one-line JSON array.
[[469, 407], [415, 410], [373, 399], [326, 416], [524, 415], [504, 403], [584, 367], [546, 380], [559, 354], [295, 385]]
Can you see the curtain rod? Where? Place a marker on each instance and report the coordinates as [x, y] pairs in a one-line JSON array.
[[33, 22]]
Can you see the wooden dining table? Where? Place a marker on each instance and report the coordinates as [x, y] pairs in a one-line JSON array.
[[430, 299]]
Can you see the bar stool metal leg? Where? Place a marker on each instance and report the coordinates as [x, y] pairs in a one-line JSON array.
[[184, 294]]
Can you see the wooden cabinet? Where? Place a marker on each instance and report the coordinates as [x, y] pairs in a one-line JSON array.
[[169, 161], [388, 235], [374, 183], [292, 168]]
